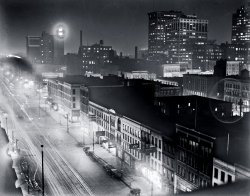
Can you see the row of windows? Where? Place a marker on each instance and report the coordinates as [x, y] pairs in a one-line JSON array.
[[169, 174], [222, 176], [157, 155], [156, 142], [129, 139], [131, 130], [155, 165], [168, 161], [134, 152]]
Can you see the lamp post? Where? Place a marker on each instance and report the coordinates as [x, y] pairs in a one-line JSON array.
[[42, 173], [240, 103], [39, 99], [6, 120], [67, 115]]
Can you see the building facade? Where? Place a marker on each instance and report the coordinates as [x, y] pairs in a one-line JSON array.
[[185, 33], [194, 159], [241, 35], [33, 48], [157, 34], [237, 90], [45, 49], [202, 85]]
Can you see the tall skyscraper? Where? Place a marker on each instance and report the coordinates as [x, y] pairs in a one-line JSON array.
[[157, 34], [241, 35], [172, 36], [185, 33], [45, 49], [33, 48]]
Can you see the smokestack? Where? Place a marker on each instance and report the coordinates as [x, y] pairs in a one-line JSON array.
[[80, 37], [136, 52]]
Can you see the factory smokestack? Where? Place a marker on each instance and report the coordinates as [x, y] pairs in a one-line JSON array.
[[80, 37]]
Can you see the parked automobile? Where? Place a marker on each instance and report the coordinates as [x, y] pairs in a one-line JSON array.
[[135, 192], [86, 148]]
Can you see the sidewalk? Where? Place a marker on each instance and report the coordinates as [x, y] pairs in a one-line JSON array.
[[130, 177]]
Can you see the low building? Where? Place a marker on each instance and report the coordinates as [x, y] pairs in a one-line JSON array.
[[237, 91], [139, 75], [217, 152], [186, 107], [140, 129], [66, 93], [232, 68], [203, 85]]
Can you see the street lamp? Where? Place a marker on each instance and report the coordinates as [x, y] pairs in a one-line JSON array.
[[60, 32], [67, 115], [6, 120], [240, 103], [39, 98], [42, 173]]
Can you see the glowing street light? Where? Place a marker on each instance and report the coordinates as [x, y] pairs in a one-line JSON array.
[[60, 32]]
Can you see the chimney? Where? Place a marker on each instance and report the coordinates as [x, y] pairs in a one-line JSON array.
[[101, 42], [136, 52], [80, 37]]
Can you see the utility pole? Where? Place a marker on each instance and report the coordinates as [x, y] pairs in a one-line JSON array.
[[67, 123], [28, 177], [93, 139], [42, 173], [240, 103], [39, 99], [6, 118], [152, 188]]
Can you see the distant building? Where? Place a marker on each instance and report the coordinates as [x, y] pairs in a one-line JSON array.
[[241, 35], [74, 64], [178, 38], [237, 90], [45, 49], [96, 55], [177, 70], [33, 48], [185, 33], [139, 75], [157, 34], [65, 92], [202, 85], [225, 68], [232, 68]]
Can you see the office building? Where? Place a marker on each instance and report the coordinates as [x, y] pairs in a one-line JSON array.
[[184, 34], [157, 34], [45, 49], [241, 35], [96, 55], [33, 48]]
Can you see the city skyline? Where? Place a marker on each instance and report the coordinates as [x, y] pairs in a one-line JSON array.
[[108, 21]]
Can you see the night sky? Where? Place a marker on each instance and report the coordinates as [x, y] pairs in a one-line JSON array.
[[120, 23]]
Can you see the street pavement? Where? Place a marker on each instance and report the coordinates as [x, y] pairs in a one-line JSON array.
[[78, 133], [68, 169]]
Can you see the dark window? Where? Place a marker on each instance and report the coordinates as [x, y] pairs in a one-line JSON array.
[[229, 178], [160, 144], [222, 177], [216, 173], [74, 105], [74, 91], [74, 99]]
